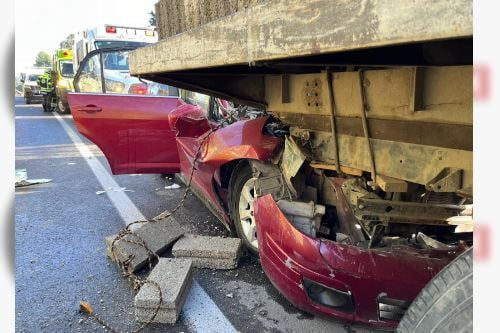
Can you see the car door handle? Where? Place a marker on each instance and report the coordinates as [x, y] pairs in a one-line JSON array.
[[90, 108]]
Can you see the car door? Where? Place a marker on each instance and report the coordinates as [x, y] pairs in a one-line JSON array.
[[125, 117]]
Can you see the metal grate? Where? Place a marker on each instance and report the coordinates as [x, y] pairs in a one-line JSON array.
[[391, 309]]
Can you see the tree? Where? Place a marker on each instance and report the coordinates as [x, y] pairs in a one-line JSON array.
[[152, 19], [67, 43], [43, 59]]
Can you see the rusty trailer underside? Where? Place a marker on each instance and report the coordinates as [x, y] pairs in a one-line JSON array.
[[378, 96]]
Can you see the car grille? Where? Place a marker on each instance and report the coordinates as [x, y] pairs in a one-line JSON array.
[[392, 309]]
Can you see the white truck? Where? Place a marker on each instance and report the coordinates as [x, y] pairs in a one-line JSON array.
[[110, 36]]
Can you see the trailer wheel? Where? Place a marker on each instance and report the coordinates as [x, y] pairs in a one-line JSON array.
[[241, 197], [445, 303]]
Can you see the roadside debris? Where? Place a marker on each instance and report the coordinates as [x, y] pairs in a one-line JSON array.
[[209, 252], [174, 278], [22, 179], [172, 187], [112, 189], [157, 236], [130, 262]]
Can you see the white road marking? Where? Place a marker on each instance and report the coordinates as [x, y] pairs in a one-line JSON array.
[[41, 117], [124, 206], [200, 312]]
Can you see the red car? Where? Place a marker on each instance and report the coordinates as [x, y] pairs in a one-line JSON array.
[[237, 175]]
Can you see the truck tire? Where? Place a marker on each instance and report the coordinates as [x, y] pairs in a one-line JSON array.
[[241, 201], [61, 108], [445, 303]]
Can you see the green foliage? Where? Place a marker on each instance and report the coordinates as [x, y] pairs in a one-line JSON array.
[[43, 59], [67, 43], [152, 19]]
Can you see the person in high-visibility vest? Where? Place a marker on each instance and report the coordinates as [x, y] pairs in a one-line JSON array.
[[46, 83]]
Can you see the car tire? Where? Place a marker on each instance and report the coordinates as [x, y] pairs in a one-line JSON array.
[[445, 303], [241, 196], [27, 100]]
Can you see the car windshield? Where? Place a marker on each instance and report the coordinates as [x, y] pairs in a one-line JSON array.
[[66, 68], [33, 77], [117, 43], [117, 79]]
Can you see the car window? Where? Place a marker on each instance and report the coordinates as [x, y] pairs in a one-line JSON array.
[[195, 98], [118, 80], [33, 77], [90, 79]]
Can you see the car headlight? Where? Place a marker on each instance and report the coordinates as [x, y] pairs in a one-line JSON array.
[[114, 86], [330, 297]]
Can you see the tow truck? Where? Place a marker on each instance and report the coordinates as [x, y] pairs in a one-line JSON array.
[[350, 171]]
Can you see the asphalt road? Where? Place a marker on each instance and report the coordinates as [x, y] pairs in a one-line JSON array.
[[60, 251]]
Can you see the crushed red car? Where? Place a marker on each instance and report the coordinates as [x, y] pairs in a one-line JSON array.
[[300, 220]]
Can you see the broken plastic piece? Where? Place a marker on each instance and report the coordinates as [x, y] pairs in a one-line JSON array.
[[112, 189], [22, 179], [430, 243], [305, 216]]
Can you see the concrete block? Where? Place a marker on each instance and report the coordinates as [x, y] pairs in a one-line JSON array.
[[175, 278], [209, 252], [164, 316], [158, 236]]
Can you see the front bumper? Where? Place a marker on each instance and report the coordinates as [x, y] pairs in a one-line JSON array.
[[381, 283], [33, 93]]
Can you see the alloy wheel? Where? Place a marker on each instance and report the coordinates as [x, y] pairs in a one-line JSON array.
[[246, 212]]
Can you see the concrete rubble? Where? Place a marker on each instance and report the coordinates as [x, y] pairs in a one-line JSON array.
[[158, 236], [174, 276], [209, 252]]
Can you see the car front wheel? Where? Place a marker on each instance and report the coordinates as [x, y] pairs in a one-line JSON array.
[[242, 196]]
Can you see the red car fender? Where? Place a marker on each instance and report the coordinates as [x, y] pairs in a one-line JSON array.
[[241, 140], [287, 256]]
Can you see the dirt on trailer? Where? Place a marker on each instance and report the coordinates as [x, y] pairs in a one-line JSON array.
[[176, 16]]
